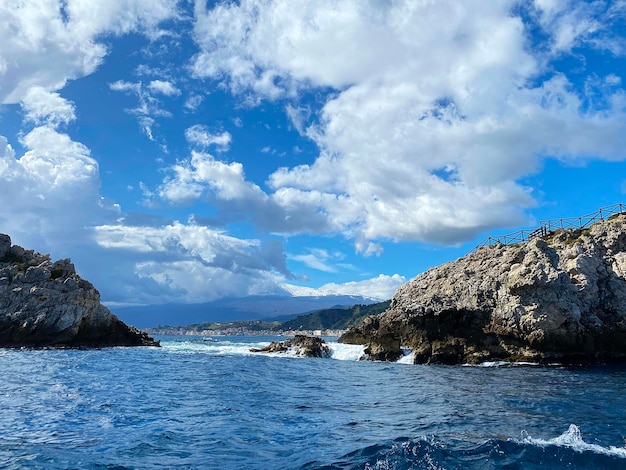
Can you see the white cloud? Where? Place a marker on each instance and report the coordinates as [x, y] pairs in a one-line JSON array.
[[148, 106], [299, 117], [267, 46], [427, 116], [381, 287], [201, 136], [164, 87], [612, 79], [571, 24], [124, 86], [319, 259], [429, 130], [194, 282], [193, 102], [191, 179], [51, 192], [45, 43], [42, 106], [191, 263], [56, 161]]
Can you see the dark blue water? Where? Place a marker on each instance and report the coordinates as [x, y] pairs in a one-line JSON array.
[[211, 404]]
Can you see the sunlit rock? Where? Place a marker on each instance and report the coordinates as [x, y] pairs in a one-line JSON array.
[[558, 298]]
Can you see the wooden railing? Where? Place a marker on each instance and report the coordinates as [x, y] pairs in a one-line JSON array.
[[546, 227]]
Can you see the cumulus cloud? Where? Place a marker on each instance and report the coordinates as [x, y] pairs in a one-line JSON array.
[[428, 131], [428, 116], [42, 106], [285, 211], [191, 179], [51, 193], [45, 43], [192, 263]]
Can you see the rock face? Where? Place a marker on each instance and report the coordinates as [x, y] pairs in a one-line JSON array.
[[46, 304], [558, 298], [300, 345]]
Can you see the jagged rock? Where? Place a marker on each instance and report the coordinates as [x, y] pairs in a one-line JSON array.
[[300, 345], [46, 304], [561, 298]]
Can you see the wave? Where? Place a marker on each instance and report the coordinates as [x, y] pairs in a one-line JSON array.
[[234, 346], [237, 346], [489, 364], [568, 450], [572, 439], [212, 347], [346, 352]]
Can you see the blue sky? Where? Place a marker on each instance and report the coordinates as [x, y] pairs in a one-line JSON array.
[[183, 151]]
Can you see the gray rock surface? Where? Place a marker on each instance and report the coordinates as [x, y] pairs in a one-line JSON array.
[[558, 298], [299, 345], [46, 304]]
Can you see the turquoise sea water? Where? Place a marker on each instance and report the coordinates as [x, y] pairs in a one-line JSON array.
[[209, 403]]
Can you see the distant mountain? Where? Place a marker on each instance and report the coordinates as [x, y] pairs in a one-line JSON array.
[[334, 318], [233, 309], [326, 319]]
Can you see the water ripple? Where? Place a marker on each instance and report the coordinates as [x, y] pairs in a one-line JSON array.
[[193, 405]]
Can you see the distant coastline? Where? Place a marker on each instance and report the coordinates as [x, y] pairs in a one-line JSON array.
[[237, 331]]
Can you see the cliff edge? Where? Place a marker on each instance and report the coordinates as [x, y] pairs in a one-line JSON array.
[[560, 298], [46, 304]]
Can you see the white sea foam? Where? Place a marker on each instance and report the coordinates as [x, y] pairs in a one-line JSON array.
[[213, 348], [223, 347], [220, 347], [502, 364], [408, 358], [572, 439], [345, 352]]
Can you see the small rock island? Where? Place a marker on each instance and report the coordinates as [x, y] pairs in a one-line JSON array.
[[557, 298], [299, 345], [45, 304]]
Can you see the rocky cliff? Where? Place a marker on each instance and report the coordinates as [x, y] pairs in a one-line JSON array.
[[46, 304], [558, 298]]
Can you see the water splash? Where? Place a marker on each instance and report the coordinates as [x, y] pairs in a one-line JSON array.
[[573, 439], [346, 352]]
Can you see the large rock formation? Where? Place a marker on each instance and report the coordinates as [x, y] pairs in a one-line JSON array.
[[46, 304], [558, 298]]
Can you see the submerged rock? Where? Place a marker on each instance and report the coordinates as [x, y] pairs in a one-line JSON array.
[[300, 345], [558, 298], [46, 304]]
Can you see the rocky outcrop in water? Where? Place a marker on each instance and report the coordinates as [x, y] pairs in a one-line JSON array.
[[559, 298], [46, 304], [299, 345]]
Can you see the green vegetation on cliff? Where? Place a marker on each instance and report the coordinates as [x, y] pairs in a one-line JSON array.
[[334, 318], [327, 319]]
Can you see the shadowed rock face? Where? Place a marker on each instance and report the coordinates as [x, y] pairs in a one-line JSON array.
[[561, 298], [46, 304]]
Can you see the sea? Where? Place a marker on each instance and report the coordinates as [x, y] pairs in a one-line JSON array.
[[209, 403]]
